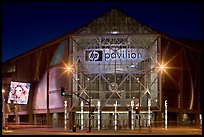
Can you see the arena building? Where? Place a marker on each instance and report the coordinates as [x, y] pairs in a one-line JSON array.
[[108, 69]]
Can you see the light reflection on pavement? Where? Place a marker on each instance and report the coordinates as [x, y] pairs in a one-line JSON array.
[[143, 131]]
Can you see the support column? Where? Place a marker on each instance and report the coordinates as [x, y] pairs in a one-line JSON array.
[[116, 115], [65, 115], [149, 104], [4, 112], [48, 107], [17, 118], [132, 115], [99, 115], [82, 115], [198, 118], [180, 115], [165, 123], [30, 110]]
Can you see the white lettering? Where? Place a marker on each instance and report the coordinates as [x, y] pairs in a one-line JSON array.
[[107, 54], [124, 54]]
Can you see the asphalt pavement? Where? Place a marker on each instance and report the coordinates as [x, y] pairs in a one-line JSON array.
[[136, 131]]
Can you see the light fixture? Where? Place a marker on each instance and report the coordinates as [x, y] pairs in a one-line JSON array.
[[114, 32], [68, 68]]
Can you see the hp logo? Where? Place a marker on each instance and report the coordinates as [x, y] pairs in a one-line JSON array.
[[94, 55]]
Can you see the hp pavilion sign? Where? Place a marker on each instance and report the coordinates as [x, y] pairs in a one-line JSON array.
[[95, 55]]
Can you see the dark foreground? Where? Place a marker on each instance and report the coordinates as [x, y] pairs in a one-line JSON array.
[[142, 131]]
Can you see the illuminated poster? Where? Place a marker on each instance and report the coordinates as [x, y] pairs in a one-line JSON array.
[[19, 92]]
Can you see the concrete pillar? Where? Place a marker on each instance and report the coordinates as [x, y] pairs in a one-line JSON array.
[[30, 111], [30, 101], [48, 116]]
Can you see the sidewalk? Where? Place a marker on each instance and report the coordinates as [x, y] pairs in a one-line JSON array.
[[137, 131], [144, 130]]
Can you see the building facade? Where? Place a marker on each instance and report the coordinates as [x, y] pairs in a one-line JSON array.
[[115, 64]]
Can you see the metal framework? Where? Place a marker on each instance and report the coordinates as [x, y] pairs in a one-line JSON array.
[[127, 56], [116, 79]]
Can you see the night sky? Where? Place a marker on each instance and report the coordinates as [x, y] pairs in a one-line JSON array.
[[28, 25]]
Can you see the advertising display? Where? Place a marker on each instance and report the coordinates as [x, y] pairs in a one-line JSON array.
[[120, 54], [106, 60], [19, 92]]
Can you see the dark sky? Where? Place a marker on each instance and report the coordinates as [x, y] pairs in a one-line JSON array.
[[28, 25]]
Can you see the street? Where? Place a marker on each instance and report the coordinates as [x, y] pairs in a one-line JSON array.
[[143, 131]]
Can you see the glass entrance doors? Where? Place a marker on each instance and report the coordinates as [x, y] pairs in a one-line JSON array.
[[107, 120]]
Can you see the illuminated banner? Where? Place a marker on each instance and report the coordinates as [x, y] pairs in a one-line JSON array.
[[93, 55], [19, 92]]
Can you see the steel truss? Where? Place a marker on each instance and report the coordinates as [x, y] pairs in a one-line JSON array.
[[124, 56], [119, 79]]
